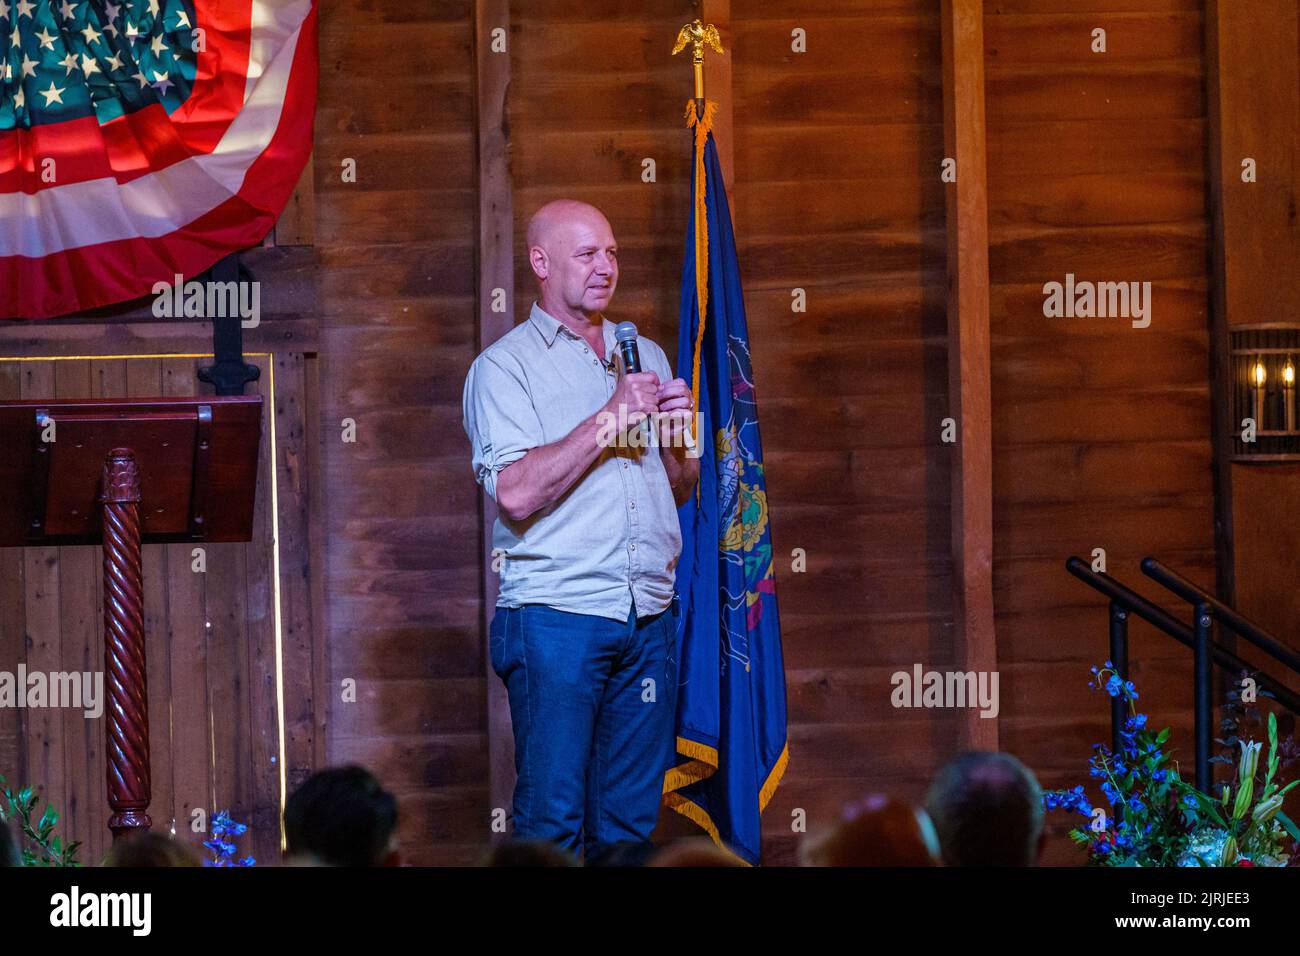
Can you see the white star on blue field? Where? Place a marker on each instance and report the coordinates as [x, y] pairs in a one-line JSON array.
[[66, 60]]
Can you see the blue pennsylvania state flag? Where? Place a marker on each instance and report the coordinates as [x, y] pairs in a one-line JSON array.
[[731, 712]]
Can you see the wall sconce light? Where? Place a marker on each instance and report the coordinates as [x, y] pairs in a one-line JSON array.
[[1263, 359]]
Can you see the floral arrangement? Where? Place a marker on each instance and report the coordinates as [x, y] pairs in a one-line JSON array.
[[1255, 833], [222, 845], [1157, 819], [49, 850]]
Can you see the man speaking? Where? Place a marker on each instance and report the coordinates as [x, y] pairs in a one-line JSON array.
[[587, 459]]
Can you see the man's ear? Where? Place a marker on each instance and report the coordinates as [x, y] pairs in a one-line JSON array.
[[540, 262]]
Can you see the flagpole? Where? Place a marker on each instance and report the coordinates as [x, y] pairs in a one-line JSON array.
[[699, 35]]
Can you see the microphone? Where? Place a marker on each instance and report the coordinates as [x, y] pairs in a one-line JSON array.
[[625, 336]]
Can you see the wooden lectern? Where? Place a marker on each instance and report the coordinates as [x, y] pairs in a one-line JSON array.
[[122, 473]]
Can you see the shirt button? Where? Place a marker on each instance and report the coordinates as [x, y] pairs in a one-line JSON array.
[[624, 464], [632, 505], [633, 545]]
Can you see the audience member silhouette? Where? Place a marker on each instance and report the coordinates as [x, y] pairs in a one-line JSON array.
[[988, 811], [526, 853], [877, 831], [341, 817], [150, 850]]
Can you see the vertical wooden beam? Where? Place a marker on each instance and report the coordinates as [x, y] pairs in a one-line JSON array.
[[13, 622], [1253, 96], [1221, 423], [495, 271], [45, 744], [968, 348]]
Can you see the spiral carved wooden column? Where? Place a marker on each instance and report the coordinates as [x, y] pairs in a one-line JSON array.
[[128, 701]]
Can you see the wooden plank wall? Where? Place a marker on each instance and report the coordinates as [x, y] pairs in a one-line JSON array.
[[848, 390], [837, 154], [1101, 431], [837, 193], [593, 94], [396, 287], [214, 716]]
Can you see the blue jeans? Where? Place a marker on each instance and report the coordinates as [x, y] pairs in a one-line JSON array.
[[592, 702]]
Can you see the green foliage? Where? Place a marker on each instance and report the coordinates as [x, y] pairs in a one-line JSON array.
[[41, 847], [1251, 814]]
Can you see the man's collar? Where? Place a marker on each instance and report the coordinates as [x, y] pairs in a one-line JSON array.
[[549, 326], [546, 323]]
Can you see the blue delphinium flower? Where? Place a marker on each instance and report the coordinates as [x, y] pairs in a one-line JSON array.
[[1074, 800], [1133, 781], [223, 850]]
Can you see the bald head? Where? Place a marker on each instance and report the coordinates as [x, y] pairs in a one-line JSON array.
[[573, 256], [988, 811], [557, 216]]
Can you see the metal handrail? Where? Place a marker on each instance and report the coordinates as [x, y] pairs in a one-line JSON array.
[[1229, 618], [1158, 617], [1199, 637]]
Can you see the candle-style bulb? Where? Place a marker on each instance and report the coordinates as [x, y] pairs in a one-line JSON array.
[[1259, 374], [1288, 373]]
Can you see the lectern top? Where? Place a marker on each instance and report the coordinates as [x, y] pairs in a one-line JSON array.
[[197, 458]]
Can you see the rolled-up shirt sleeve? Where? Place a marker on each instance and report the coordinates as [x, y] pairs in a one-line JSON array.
[[500, 419]]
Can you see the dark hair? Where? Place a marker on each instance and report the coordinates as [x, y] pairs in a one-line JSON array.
[[988, 811], [340, 817], [526, 853], [150, 850], [624, 853]]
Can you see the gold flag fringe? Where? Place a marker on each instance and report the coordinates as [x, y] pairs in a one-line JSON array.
[[702, 761], [702, 126]]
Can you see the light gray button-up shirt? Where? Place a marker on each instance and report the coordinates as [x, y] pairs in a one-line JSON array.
[[611, 542]]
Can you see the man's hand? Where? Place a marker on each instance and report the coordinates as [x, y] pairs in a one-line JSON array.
[[676, 414], [638, 393], [676, 409]]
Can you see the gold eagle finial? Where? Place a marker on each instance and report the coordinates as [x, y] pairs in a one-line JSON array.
[[699, 35]]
